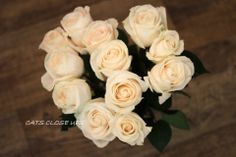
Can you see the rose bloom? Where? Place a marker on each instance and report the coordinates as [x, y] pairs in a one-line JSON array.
[[130, 128], [167, 44], [98, 32], [61, 65], [145, 23], [95, 122], [54, 40], [71, 94], [109, 57], [172, 74], [74, 24], [124, 91]]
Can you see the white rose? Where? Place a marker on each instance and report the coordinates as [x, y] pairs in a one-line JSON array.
[[99, 32], [95, 122], [109, 57], [54, 40], [130, 128], [145, 23], [124, 91], [168, 43], [172, 74], [61, 65], [75, 23], [71, 94]]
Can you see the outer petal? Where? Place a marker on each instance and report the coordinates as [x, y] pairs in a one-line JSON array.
[[164, 97], [162, 11], [127, 26], [101, 143], [113, 22], [181, 47], [54, 40], [47, 82]]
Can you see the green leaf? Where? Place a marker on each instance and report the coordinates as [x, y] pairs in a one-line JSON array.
[[137, 64], [123, 36], [198, 66], [148, 64], [132, 49], [160, 135], [176, 118], [143, 110], [88, 69], [97, 85], [153, 101], [69, 120], [167, 104]]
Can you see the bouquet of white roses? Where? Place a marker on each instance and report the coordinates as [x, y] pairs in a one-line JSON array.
[[113, 86]]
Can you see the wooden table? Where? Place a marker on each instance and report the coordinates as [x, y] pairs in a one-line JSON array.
[[209, 30]]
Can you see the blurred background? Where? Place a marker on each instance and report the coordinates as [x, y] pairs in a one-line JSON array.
[[208, 28]]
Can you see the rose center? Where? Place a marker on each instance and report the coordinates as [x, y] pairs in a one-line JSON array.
[[144, 18], [97, 119], [123, 91], [98, 35], [171, 43], [127, 128], [111, 54]]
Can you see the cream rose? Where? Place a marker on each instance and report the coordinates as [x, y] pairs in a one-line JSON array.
[[109, 57], [95, 122], [71, 94], [75, 23], [130, 128], [124, 91], [99, 32], [54, 40], [173, 73], [167, 44], [61, 65], [145, 23]]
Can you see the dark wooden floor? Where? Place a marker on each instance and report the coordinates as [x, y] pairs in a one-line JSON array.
[[208, 28]]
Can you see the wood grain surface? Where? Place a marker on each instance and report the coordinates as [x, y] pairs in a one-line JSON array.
[[208, 28]]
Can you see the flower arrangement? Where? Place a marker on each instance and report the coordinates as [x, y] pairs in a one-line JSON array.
[[114, 86]]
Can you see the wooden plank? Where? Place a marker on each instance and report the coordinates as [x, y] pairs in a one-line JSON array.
[[203, 21], [217, 143], [17, 14], [13, 141], [219, 55]]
